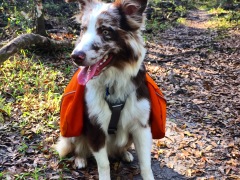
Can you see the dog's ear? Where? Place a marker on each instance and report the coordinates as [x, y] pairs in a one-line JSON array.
[[132, 7], [82, 3]]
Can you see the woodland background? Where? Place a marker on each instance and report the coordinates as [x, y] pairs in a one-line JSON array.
[[193, 54]]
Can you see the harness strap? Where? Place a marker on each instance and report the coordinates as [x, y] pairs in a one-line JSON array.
[[116, 111]]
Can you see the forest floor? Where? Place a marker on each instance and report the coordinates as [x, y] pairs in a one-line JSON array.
[[198, 70]]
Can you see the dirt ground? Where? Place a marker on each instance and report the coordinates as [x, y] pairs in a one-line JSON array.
[[198, 70]]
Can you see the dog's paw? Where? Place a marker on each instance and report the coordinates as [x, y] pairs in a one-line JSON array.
[[127, 156], [63, 146], [80, 162]]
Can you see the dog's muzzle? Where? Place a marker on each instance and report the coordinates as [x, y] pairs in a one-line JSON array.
[[78, 57]]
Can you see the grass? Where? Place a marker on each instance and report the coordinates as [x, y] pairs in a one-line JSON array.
[[219, 18], [181, 20], [156, 25], [217, 11], [35, 174], [22, 148], [223, 19], [30, 97], [33, 87], [222, 23], [181, 10], [5, 107]]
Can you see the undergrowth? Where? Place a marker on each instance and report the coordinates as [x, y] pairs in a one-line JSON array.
[[223, 19], [34, 89]]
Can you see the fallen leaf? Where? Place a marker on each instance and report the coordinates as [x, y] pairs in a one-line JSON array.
[[188, 173], [188, 133], [197, 153], [208, 148], [197, 101]]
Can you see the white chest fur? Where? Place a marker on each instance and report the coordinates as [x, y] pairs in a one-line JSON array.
[[135, 112]]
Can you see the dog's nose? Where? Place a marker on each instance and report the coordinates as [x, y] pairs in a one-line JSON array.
[[78, 56]]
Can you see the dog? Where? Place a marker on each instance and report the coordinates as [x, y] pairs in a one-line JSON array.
[[110, 51]]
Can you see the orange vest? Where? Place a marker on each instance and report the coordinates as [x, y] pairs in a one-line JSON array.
[[72, 109]]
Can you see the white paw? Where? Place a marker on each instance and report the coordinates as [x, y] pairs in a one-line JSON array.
[[80, 162], [127, 156], [63, 146]]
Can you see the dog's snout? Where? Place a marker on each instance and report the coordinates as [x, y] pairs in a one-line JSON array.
[[78, 56]]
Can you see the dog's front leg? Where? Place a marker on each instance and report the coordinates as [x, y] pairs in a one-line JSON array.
[[102, 163], [142, 139]]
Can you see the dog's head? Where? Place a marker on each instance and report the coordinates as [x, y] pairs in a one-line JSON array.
[[110, 35]]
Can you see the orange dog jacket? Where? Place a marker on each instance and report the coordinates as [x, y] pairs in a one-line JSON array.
[[72, 109]]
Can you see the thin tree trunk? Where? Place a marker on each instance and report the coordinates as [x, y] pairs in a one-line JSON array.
[[40, 22]]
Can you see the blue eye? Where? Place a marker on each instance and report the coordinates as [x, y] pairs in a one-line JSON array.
[[105, 32]]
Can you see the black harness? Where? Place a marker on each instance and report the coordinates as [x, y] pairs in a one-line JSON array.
[[116, 109]]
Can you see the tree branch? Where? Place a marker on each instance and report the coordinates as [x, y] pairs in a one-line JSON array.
[[25, 41]]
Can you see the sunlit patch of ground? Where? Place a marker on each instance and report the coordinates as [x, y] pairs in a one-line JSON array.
[[209, 19]]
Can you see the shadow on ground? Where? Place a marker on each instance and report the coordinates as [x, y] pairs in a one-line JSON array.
[[126, 171], [160, 173]]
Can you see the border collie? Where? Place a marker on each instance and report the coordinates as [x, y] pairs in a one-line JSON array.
[[111, 51]]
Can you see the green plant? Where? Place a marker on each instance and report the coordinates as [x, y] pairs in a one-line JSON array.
[[36, 173], [217, 11], [68, 69], [181, 10], [205, 4], [156, 25], [5, 106], [181, 20], [22, 176], [227, 20], [22, 148]]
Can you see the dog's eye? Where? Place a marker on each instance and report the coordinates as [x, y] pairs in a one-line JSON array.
[[105, 32]]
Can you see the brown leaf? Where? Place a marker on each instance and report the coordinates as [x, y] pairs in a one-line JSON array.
[[188, 173], [161, 143], [170, 164], [193, 145], [208, 148], [214, 144], [169, 153], [197, 153], [185, 153]]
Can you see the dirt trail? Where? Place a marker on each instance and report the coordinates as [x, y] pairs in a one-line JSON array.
[[198, 70]]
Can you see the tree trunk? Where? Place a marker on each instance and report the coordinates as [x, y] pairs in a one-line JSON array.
[[40, 22]]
